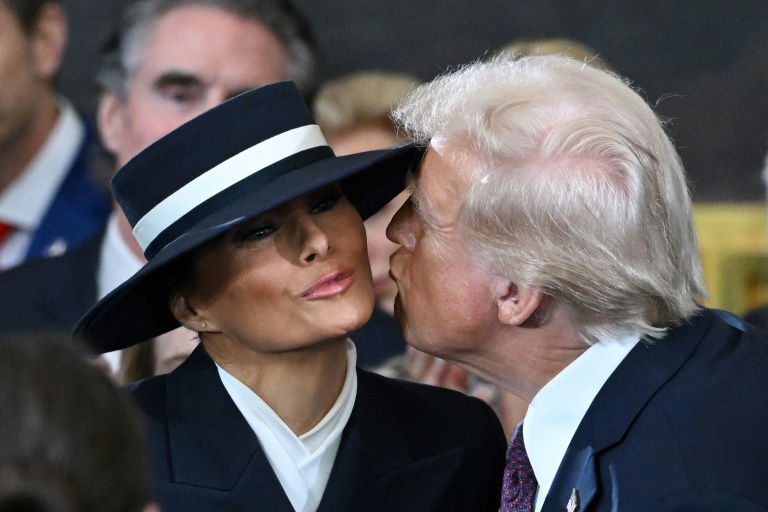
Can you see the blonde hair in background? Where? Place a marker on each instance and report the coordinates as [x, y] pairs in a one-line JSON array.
[[555, 46], [576, 189], [764, 174], [361, 98]]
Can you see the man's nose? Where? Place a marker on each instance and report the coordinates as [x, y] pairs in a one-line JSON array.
[[218, 94], [215, 98], [398, 230]]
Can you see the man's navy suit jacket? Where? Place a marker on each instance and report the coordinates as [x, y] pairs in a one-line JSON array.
[[680, 425], [406, 447], [50, 294]]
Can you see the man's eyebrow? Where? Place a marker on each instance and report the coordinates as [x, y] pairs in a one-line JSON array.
[[420, 204], [412, 187], [177, 78]]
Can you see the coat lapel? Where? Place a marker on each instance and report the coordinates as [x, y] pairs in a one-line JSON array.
[[642, 373], [211, 444], [78, 209], [374, 470]]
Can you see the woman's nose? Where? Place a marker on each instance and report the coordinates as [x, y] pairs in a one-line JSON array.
[[313, 239]]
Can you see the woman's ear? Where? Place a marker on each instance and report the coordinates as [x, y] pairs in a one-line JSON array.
[[187, 315], [518, 305]]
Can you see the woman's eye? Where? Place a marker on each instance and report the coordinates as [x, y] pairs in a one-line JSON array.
[[257, 233], [326, 203]]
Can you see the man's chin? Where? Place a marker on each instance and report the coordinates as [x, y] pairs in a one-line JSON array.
[[402, 322]]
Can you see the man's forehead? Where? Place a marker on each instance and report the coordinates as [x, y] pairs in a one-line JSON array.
[[248, 56], [208, 29], [445, 166]]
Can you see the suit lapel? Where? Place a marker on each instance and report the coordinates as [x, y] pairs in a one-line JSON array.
[[211, 444], [77, 210], [643, 372], [374, 469]]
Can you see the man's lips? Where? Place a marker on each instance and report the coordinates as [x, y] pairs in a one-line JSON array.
[[329, 285]]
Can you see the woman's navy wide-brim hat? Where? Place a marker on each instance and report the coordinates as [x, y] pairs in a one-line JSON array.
[[228, 165]]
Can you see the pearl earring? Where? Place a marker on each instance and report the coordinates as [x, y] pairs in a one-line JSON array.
[[204, 325]]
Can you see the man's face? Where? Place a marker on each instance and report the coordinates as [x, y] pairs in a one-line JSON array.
[[196, 57], [22, 81], [444, 305]]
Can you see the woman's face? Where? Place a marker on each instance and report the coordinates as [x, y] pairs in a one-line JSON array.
[[291, 278]]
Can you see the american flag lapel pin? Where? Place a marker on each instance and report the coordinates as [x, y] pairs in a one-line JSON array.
[[573, 503]]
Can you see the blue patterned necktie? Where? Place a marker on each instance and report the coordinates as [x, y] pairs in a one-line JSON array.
[[520, 484]]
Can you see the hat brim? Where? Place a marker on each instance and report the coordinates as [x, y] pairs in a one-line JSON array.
[[139, 310]]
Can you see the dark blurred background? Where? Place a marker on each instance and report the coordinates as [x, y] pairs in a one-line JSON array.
[[703, 64]]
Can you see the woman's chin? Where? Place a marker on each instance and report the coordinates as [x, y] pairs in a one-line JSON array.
[[354, 319]]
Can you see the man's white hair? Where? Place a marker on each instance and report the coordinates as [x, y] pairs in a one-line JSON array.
[[576, 189]]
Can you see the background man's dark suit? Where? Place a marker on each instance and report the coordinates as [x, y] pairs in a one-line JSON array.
[[407, 447], [651, 439], [378, 340], [50, 294]]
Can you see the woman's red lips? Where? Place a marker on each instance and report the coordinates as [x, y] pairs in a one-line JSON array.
[[330, 285]]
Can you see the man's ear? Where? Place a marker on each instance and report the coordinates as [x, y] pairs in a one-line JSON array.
[[109, 118], [188, 316], [49, 39], [518, 305]]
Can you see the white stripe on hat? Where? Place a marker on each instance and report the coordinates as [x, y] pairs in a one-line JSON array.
[[223, 176]]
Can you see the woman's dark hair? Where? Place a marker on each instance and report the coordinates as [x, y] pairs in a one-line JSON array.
[[69, 439]]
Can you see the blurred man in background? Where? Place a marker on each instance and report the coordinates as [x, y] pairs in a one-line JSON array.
[[49, 202]]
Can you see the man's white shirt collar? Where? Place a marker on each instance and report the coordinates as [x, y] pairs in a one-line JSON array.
[[25, 201], [117, 262], [558, 408], [302, 463]]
